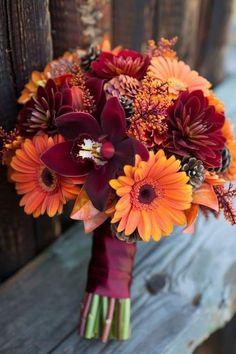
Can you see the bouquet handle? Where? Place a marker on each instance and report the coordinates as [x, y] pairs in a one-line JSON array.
[[105, 312]]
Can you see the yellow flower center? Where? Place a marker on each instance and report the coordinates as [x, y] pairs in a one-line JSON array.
[[173, 82]]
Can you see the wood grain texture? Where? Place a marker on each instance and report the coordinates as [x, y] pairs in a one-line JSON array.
[[8, 105], [178, 18], [71, 28], [29, 38], [212, 38], [25, 45], [201, 27], [134, 22], [66, 25], [128, 23], [40, 306]]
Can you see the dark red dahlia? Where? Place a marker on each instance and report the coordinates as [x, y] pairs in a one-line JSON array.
[[40, 112], [97, 151], [195, 129], [126, 62]]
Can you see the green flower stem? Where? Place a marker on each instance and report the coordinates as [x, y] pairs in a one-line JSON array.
[[97, 321], [105, 318], [125, 321], [90, 325]]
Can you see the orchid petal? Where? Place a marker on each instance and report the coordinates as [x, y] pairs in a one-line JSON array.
[[140, 149], [113, 120], [97, 185], [59, 159], [71, 125]]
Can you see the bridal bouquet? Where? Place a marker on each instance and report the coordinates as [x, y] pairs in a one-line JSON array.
[[139, 141]]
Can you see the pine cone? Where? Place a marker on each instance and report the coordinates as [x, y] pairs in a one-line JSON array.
[[194, 169], [134, 237], [127, 104], [225, 161], [86, 60], [122, 85]]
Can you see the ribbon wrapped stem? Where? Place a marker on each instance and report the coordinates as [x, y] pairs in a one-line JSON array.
[[105, 311]]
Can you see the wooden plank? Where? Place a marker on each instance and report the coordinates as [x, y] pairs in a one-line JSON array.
[[178, 18], [201, 27], [29, 38], [78, 23], [212, 38], [7, 89], [25, 45], [135, 22], [128, 23], [40, 305]]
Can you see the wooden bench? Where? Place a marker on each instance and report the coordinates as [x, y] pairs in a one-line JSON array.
[[184, 289]]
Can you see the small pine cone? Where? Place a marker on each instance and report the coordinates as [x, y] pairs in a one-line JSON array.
[[134, 237], [127, 104], [194, 169], [225, 161], [86, 60], [122, 85]]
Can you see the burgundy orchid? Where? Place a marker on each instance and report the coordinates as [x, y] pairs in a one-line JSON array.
[[98, 151], [127, 62]]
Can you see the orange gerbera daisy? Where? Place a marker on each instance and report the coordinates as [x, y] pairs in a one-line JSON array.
[[42, 189], [178, 75], [216, 102], [153, 196], [37, 79], [228, 133]]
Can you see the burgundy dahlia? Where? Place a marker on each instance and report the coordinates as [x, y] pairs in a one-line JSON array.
[[195, 129], [126, 62], [40, 112], [97, 151]]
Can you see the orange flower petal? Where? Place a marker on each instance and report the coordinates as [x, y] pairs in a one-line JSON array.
[[206, 196]]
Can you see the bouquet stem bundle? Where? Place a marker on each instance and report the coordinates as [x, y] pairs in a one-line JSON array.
[[105, 318], [105, 311]]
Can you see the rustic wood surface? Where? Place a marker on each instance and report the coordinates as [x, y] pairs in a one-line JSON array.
[[25, 45], [184, 289], [78, 23], [212, 38], [201, 27]]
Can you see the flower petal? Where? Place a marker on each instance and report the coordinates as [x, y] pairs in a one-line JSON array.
[[72, 124], [97, 185], [59, 159], [113, 120], [95, 87], [140, 149], [125, 154]]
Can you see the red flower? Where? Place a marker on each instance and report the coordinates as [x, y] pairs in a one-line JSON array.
[[40, 112], [195, 129], [127, 62], [99, 152]]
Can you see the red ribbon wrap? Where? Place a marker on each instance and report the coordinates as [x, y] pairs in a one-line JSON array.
[[110, 267]]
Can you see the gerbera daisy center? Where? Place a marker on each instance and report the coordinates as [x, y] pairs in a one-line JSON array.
[[173, 82], [146, 194], [48, 179]]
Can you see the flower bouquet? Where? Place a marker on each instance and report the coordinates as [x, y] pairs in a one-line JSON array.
[[139, 141]]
